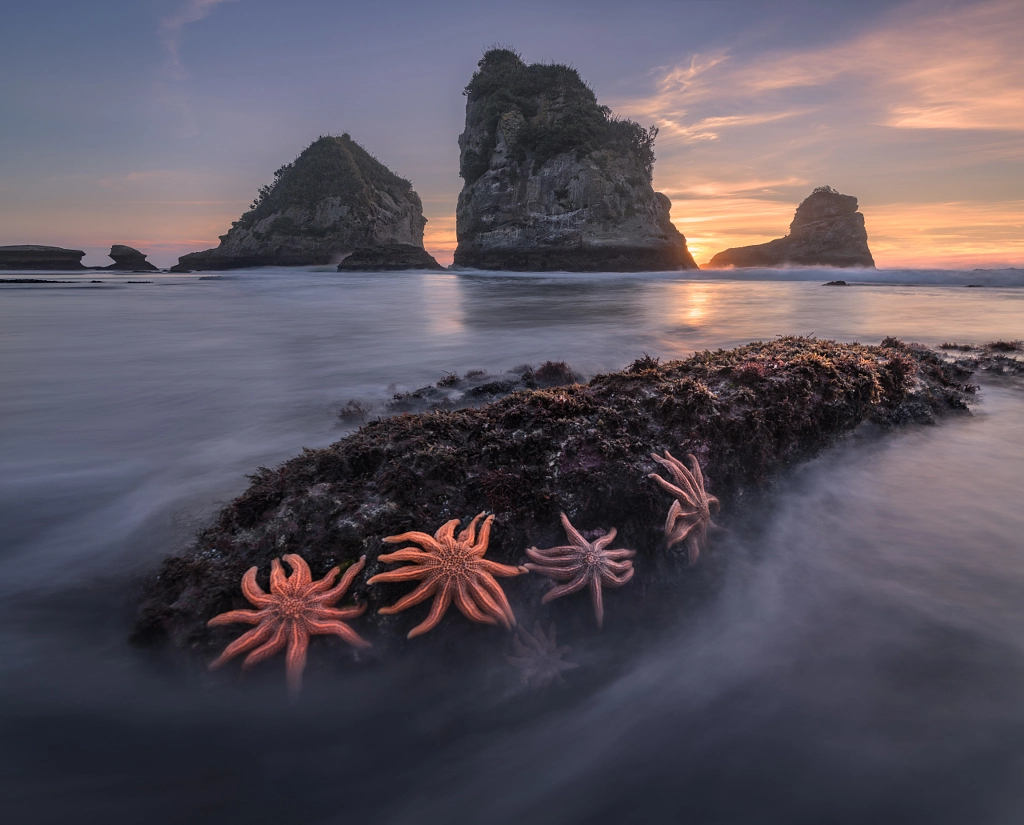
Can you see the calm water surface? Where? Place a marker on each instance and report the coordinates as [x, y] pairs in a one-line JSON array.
[[862, 658]]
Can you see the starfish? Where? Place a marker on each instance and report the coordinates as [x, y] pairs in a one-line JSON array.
[[583, 564], [540, 658], [295, 609], [689, 517], [452, 569]]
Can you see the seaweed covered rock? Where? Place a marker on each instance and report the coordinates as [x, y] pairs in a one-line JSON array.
[[552, 181], [581, 449], [827, 230], [334, 198]]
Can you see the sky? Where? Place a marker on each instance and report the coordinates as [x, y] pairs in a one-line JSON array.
[[155, 122]]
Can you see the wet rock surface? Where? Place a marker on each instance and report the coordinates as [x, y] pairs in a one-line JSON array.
[[583, 449], [394, 257], [553, 181], [827, 230], [334, 198]]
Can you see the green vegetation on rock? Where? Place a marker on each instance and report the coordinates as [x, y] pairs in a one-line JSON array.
[[558, 112]]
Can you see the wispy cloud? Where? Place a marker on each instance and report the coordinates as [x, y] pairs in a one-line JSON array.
[[173, 75]]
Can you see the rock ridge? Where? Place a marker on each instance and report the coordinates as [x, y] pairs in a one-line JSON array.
[[33, 256]]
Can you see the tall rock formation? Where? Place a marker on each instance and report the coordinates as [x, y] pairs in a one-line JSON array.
[[31, 256], [553, 180], [827, 230], [334, 198]]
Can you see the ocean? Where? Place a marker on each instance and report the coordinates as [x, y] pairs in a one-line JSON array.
[[859, 656]]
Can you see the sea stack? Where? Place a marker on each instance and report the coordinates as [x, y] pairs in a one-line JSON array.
[[827, 230], [334, 198], [552, 181], [127, 259], [30, 256]]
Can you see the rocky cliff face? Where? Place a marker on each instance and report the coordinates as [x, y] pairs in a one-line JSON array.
[[827, 230], [31, 256], [335, 197], [128, 259], [553, 181]]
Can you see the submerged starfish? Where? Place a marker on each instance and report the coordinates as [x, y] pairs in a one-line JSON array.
[[583, 564], [689, 517], [295, 609], [540, 658], [452, 569]]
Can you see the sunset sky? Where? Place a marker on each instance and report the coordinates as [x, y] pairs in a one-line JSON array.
[[154, 122]]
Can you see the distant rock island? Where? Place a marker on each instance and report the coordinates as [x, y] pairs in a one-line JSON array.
[[127, 259], [552, 181], [827, 230], [30, 256], [334, 198], [391, 257]]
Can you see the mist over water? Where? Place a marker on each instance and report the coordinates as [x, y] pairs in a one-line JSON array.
[[855, 653]]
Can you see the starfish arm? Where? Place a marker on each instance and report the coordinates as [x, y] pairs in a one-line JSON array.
[[437, 609], [247, 641], [325, 583], [237, 616], [551, 553], [301, 576], [557, 573], [421, 593], [341, 613], [692, 549], [615, 555], [678, 471], [613, 580], [276, 643], [295, 657], [468, 536], [573, 534], [597, 600], [480, 545], [668, 487], [605, 540], [490, 606], [278, 580], [403, 574], [464, 602], [338, 629], [695, 469], [487, 584], [252, 591], [446, 532], [331, 596], [716, 528], [502, 570], [680, 531], [408, 554], [565, 589], [421, 539], [618, 566]]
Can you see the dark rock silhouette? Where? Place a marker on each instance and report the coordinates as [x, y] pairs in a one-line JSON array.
[[31, 256], [553, 180], [127, 259], [392, 257], [827, 230], [334, 198]]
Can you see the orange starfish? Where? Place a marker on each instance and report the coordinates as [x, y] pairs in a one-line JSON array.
[[583, 564], [295, 609], [452, 569], [689, 517]]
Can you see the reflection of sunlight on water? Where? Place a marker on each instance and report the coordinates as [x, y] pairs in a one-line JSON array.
[[689, 302], [442, 304]]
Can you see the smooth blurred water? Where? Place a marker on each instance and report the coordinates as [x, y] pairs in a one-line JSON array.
[[863, 658]]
